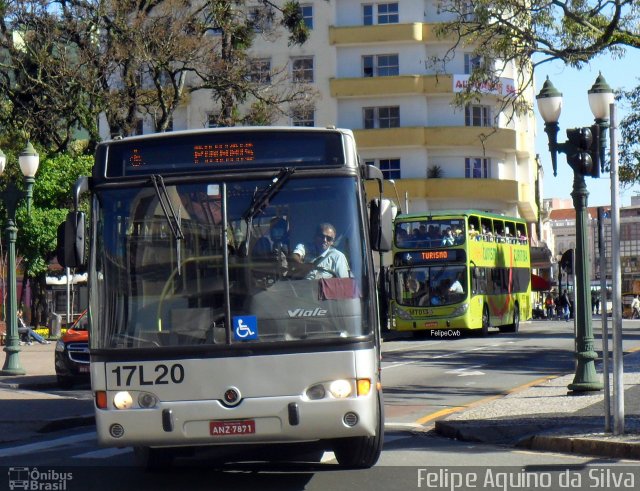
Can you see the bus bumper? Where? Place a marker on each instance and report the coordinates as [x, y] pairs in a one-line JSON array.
[[274, 420]]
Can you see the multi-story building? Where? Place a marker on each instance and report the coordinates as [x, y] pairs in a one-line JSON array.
[[629, 244], [562, 219], [370, 65]]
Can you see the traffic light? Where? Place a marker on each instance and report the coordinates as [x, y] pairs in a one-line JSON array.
[[566, 262], [584, 150]]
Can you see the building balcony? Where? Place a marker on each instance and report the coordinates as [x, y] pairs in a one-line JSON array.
[[492, 139], [383, 33], [396, 85], [448, 189]]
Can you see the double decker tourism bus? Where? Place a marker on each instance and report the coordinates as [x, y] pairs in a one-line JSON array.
[[205, 327], [459, 270]]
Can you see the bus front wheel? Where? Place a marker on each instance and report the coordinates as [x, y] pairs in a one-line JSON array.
[[486, 321], [361, 452], [516, 321]]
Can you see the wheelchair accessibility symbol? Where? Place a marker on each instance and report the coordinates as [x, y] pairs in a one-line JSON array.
[[245, 327]]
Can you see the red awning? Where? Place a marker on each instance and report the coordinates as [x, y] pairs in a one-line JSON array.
[[539, 284]]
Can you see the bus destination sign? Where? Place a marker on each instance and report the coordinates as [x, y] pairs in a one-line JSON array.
[[410, 258], [186, 152]]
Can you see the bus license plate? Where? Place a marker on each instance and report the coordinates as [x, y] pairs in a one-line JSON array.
[[243, 427]]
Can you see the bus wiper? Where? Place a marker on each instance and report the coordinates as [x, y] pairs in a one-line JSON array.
[[172, 218], [167, 207], [262, 199]]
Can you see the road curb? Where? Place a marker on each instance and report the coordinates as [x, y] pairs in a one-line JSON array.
[[582, 446]]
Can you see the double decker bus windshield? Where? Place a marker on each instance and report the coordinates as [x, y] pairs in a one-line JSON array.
[[424, 286], [176, 263]]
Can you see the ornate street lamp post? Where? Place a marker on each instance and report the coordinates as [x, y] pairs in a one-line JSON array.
[[11, 196], [585, 151]]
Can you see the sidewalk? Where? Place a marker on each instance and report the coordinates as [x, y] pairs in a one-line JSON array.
[[547, 417], [540, 417]]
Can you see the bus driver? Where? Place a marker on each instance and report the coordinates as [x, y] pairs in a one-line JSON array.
[[327, 261]]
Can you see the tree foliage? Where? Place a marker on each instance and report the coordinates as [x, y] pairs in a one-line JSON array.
[[629, 147], [518, 32], [67, 62]]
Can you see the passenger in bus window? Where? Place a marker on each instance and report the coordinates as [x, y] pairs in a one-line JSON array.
[[522, 238], [473, 233], [402, 238], [456, 286], [486, 234], [325, 259], [448, 239]]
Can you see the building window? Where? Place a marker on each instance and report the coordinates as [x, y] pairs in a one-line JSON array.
[[381, 13], [303, 116], [381, 117], [260, 71], [477, 115], [139, 130], [388, 13], [390, 167], [307, 15], [477, 168], [473, 62], [380, 65], [302, 69]]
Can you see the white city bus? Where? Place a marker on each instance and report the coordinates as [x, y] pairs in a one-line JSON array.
[[204, 330]]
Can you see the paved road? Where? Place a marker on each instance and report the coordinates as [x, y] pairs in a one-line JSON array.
[[425, 379]]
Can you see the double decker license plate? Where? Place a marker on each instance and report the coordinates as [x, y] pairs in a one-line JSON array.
[[240, 427]]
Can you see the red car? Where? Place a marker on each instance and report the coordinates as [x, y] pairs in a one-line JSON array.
[[72, 354]]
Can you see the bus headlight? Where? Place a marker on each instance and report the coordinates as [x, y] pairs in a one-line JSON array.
[[340, 389], [147, 400], [405, 316], [122, 400], [316, 392], [460, 310]]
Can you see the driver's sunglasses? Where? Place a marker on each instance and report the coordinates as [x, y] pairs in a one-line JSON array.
[[328, 238]]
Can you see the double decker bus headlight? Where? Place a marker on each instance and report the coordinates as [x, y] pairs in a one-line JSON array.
[[460, 310], [122, 400], [340, 389], [405, 316]]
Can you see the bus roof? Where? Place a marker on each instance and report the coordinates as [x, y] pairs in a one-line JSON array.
[[425, 215], [230, 129]]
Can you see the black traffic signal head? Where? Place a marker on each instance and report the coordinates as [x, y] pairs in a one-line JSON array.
[[566, 262], [583, 153]]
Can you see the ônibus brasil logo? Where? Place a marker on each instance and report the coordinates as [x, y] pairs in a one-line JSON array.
[[34, 479]]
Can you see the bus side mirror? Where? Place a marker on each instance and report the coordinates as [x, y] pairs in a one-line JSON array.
[[380, 224], [71, 242]]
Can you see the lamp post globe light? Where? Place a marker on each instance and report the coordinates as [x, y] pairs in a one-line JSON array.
[[11, 196], [585, 151]]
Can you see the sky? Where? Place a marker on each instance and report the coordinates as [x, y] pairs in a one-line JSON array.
[[574, 85]]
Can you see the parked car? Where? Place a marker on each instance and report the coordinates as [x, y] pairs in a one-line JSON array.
[[72, 354]]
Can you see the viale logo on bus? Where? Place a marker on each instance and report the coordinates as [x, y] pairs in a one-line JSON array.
[[317, 312]]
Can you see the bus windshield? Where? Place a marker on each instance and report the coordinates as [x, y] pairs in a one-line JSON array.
[[429, 233], [177, 263]]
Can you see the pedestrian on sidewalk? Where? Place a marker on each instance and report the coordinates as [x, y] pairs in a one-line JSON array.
[[566, 305], [26, 333], [550, 306]]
